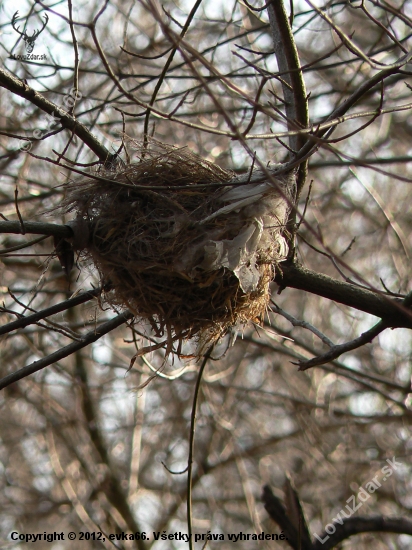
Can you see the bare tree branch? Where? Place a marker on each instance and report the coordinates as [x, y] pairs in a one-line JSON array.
[[338, 350], [62, 306], [391, 311], [37, 228], [89, 338], [16, 86]]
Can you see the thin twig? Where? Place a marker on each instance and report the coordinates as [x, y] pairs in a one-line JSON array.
[[191, 446], [352, 47], [304, 324], [337, 350], [16, 204], [302, 217], [22, 246], [76, 55], [167, 65]]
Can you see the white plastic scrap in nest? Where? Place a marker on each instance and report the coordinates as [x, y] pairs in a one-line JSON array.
[[264, 213]]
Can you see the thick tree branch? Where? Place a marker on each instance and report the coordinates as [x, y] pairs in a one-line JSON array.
[[277, 512], [18, 87], [37, 228], [350, 526], [293, 85], [274, 507], [392, 311]]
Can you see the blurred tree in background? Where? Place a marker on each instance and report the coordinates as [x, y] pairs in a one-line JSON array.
[[88, 445]]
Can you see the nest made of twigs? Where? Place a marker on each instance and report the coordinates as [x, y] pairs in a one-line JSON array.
[[191, 257]]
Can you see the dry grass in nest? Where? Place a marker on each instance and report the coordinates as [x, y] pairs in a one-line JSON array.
[[171, 246]]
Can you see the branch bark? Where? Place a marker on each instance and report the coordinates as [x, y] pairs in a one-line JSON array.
[[338, 350], [293, 85], [89, 338], [367, 87], [18, 87], [276, 510], [37, 228], [349, 527], [52, 310], [393, 312]]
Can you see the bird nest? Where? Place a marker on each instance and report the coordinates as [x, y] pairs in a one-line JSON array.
[[177, 245]]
